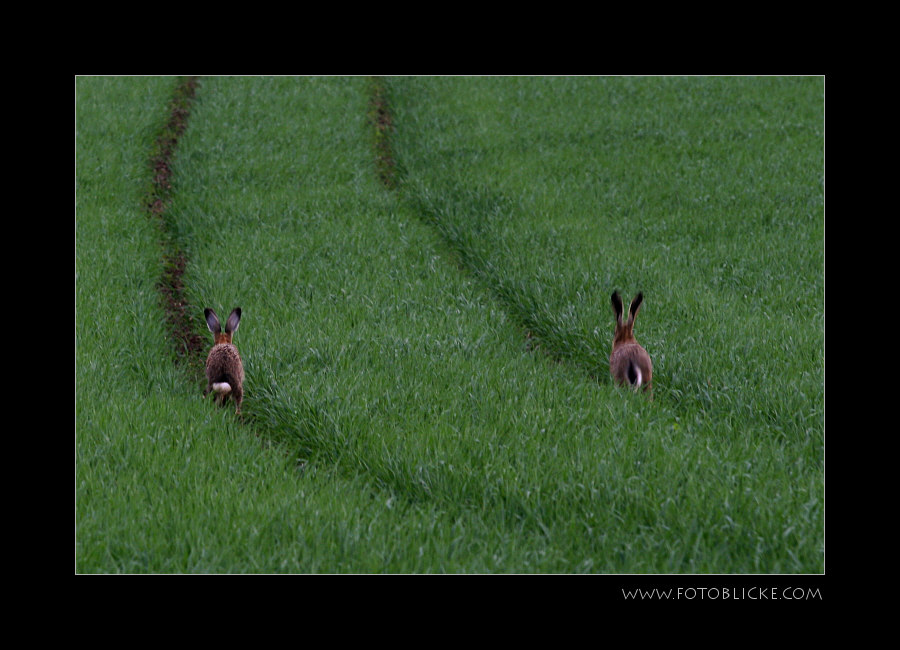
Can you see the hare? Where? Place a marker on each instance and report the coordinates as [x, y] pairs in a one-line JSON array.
[[224, 369], [629, 363]]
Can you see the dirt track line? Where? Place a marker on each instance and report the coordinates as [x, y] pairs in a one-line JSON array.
[[188, 345], [534, 331], [382, 124]]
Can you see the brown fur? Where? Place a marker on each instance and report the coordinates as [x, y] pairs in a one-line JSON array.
[[224, 362], [627, 355]]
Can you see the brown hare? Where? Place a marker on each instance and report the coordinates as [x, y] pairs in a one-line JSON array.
[[629, 363], [224, 369]]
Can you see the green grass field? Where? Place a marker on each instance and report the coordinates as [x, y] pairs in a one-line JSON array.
[[427, 385]]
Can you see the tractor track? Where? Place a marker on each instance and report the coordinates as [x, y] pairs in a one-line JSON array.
[[188, 345]]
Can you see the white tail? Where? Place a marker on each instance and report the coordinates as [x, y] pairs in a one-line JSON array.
[[222, 387], [634, 374]]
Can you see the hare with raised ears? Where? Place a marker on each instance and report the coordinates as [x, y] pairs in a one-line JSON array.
[[629, 363], [224, 369]]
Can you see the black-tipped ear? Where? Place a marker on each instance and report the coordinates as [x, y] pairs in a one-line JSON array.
[[635, 305], [212, 321], [616, 301], [234, 319]]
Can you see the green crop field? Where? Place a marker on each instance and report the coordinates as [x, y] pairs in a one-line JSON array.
[[427, 382]]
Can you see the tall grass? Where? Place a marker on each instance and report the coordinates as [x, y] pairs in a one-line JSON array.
[[164, 482], [398, 419], [705, 193]]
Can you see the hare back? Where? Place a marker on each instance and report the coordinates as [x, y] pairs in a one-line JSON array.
[[630, 356], [224, 364]]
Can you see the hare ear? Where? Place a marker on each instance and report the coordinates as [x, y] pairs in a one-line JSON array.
[[234, 319], [212, 321], [635, 305], [616, 300]]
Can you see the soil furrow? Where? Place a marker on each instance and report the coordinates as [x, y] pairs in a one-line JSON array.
[[188, 345]]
